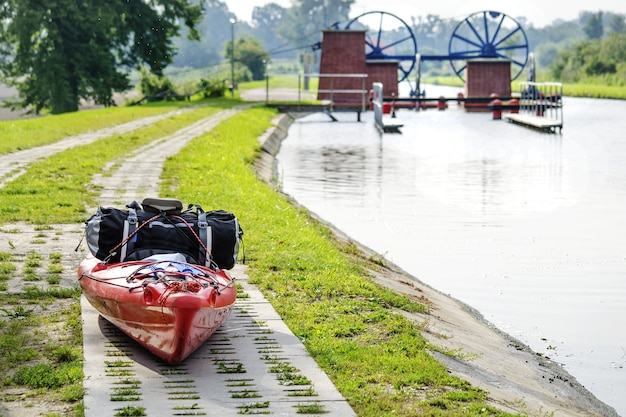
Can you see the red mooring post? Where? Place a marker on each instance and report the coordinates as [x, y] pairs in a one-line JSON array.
[[514, 105], [496, 106], [441, 103]]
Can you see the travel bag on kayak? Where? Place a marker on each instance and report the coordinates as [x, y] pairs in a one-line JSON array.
[[159, 226]]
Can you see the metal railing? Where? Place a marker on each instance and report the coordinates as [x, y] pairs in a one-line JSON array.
[[542, 100], [332, 91]]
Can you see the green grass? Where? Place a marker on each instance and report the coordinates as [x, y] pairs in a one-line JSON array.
[[282, 81], [594, 91], [376, 357], [50, 364], [351, 326], [591, 90], [24, 134], [131, 410], [30, 357], [56, 189]]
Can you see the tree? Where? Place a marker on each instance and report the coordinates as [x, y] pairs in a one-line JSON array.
[[617, 24], [267, 15], [614, 48], [594, 29], [304, 21], [214, 28], [57, 52], [265, 20], [250, 52]]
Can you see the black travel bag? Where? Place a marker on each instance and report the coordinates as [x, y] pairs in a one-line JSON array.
[[159, 226]]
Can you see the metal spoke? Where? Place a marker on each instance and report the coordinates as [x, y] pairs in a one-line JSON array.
[[378, 48], [470, 40]]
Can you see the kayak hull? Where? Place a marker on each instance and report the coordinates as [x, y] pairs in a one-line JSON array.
[[170, 308]]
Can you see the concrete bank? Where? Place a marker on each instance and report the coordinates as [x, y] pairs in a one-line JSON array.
[[517, 379]]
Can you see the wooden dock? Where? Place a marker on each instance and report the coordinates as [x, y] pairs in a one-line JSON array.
[[540, 106], [545, 124], [390, 124]]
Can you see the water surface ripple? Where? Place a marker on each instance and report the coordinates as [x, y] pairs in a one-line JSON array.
[[528, 228]]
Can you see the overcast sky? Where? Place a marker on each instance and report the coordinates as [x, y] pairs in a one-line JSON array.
[[538, 12]]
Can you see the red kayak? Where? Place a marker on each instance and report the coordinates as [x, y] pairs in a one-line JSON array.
[[167, 305]]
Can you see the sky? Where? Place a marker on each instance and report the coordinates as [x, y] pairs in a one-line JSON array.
[[538, 12]]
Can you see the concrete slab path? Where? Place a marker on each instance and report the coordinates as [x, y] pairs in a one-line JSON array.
[[252, 365], [238, 371]]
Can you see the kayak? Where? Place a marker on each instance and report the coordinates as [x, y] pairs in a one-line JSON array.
[[164, 303]]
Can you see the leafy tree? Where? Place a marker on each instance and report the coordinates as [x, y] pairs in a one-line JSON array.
[[602, 60], [614, 48], [265, 20], [305, 19], [428, 30], [594, 29], [214, 28], [545, 54], [617, 23], [250, 53], [321, 14], [57, 52]]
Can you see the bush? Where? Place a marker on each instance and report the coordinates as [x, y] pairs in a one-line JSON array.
[[213, 88], [155, 87]]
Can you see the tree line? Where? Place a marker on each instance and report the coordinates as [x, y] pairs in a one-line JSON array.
[[59, 52]]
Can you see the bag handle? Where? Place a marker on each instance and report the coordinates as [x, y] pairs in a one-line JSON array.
[[205, 235], [162, 205]]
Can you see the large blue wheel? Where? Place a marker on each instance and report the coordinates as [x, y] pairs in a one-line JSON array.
[[387, 38], [488, 34]]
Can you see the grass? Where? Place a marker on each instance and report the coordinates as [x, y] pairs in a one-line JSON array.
[[590, 90], [17, 135], [41, 346], [281, 81], [376, 357], [55, 190], [594, 91], [351, 326]]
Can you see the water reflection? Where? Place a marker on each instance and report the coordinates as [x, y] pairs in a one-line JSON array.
[[526, 227], [492, 180]]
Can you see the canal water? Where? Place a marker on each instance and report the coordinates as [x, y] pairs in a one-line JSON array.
[[529, 228]]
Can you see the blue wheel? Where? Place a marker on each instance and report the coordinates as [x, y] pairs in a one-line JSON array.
[[387, 38], [488, 34]]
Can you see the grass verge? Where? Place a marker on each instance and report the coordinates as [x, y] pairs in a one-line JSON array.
[[376, 357], [41, 350], [590, 90], [352, 327], [56, 189], [17, 135]]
